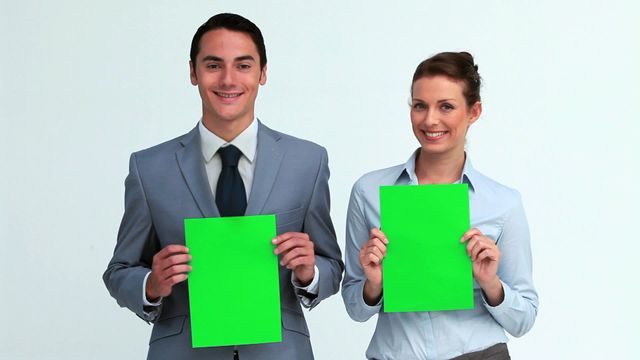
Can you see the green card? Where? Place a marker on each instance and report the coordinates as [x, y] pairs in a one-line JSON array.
[[234, 292], [426, 267]]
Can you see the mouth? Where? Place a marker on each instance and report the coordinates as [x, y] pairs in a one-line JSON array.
[[434, 135], [227, 95]]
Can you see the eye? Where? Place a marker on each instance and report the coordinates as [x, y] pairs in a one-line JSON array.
[[244, 67], [446, 107], [419, 106], [213, 66]]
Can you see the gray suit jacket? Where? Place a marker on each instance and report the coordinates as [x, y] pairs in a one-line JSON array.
[[167, 183]]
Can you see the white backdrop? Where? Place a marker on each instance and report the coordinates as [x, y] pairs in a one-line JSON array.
[[85, 83]]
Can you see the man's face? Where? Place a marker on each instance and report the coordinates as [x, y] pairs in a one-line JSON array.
[[227, 73]]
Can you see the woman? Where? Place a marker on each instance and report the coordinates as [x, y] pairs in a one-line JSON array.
[[445, 101]]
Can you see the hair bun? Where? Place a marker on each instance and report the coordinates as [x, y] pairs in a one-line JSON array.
[[455, 66]]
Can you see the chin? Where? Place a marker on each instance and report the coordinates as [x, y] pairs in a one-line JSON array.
[[433, 149]]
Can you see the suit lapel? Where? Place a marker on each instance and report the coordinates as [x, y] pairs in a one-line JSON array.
[[191, 165], [268, 158]]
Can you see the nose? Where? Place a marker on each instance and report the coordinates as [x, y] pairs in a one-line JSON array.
[[431, 118], [227, 77]]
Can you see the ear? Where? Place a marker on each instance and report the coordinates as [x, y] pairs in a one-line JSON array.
[[263, 75], [474, 112], [192, 74]]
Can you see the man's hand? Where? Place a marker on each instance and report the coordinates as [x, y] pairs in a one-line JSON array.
[[170, 266], [297, 254]]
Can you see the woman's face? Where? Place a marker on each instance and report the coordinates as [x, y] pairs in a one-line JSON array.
[[440, 116]]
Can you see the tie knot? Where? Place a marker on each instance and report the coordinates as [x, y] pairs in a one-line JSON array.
[[229, 155]]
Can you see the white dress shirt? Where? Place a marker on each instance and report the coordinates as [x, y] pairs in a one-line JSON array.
[[247, 143]]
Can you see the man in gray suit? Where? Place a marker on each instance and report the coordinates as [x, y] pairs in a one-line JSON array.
[[229, 164]]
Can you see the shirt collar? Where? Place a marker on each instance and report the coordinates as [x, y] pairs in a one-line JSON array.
[[409, 171], [246, 141]]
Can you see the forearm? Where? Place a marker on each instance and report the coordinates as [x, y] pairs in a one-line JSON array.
[[330, 274], [125, 284], [353, 286], [517, 312], [519, 307], [372, 293], [319, 227], [353, 297], [493, 291]]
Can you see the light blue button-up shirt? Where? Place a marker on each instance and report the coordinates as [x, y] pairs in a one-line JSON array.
[[497, 212]]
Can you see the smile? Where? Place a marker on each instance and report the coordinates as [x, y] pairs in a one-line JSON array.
[[227, 95], [435, 134]]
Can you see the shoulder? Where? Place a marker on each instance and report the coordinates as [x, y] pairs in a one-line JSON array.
[[371, 181], [492, 189], [295, 146], [167, 148]]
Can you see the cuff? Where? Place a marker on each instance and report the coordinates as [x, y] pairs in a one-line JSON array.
[[504, 305], [312, 288], [146, 302], [308, 293], [370, 309]]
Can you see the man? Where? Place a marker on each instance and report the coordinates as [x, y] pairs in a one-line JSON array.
[[230, 164]]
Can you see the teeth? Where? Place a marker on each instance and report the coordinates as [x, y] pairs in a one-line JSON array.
[[435, 134], [227, 95]]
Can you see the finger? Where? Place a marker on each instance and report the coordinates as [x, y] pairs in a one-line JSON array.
[[301, 260], [472, 242], [488, 254], [481, 242], [175, 279], [377, 233], [363, 252], [479, 246], [172, 249], [292, 254], [292, 243], [376, 251], [469, 234], [177, 269], [174, 260], [287, 236], [374, 259], [486, 243], [378, 244], [364, 257]]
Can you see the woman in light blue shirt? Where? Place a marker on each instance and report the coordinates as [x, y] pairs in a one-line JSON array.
[[445, 102]]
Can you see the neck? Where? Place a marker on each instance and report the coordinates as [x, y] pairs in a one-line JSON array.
[[226, 129], [439, 168]]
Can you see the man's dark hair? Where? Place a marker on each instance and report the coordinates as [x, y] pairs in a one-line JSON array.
[[231, 22]]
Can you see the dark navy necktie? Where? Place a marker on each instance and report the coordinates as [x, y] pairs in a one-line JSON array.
[[231, 198]]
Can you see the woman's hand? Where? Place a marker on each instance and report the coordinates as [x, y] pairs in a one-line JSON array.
[[371, 255], [485, 258]]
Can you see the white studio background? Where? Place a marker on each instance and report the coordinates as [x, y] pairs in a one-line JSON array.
[[85, 83]]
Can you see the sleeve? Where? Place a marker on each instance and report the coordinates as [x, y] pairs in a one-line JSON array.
[[307, 293], [318, 225], [136, 244], [151, 309], [354, 279], [518, 310]]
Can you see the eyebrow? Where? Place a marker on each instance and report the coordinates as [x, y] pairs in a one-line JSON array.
[[442, 100], [244, 58], [219, 59]]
